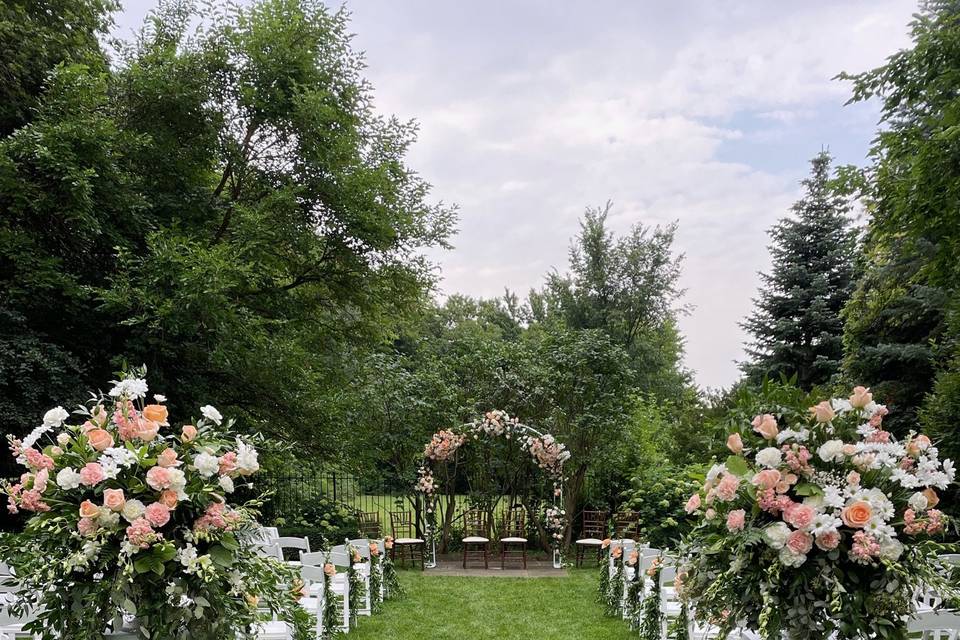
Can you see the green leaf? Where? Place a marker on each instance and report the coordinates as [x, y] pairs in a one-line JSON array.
[[221, 556], [808, 489], [737, 466]]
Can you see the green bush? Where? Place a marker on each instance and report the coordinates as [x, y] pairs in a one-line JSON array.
[[325, 521], [659, 496]]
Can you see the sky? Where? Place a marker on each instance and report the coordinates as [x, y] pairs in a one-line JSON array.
[[701, 112]]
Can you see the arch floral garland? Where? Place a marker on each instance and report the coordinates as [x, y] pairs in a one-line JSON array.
[[547, 453]]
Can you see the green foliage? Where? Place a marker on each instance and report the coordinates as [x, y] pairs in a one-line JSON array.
[[223, 205], [796, 325], [903, 323], [659, 495]]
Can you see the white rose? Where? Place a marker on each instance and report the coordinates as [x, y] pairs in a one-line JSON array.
[[769, 457], [63, 439], [791, 559], [891, 549], [247, 462], [918, 502], [831, 450], [210, 413], [226, 483], [206, 464], [68, 479], [108, 519], [132, 510], [777, 534], [55, 417]]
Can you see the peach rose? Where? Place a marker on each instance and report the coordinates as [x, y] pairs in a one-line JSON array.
[[168, 458], [861, 397], [766, 479], [156, 413], [849, 449], [800, 542], [853, 478], [330, 570], [823, 412], [857, 514], [100, 439], [932, 498], [605, 543], [89, 510], [114, 499], [919, 444], [189, 433], [374, 549], [168, 498], [148, 430], [735, 442], [766, 426]]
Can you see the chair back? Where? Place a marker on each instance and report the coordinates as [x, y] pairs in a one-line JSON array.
[[476, 522], [594, 524], [362, 545], [515, 522], [370, 524], [935, 625], [313, 558], [626, 525], [403, 524], [339, 558], [270, 550]]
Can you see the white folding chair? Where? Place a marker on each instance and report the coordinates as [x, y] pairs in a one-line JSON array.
[[362, 545], [270, 550], [300, 545], [340, 585], [935, 625]]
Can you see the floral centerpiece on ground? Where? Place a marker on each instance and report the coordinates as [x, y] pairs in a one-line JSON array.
[[826, 527], [132, 515]]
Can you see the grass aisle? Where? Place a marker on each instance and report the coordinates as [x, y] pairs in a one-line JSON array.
[[449, 608]]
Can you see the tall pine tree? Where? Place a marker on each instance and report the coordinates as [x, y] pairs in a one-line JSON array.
[[796, 326]]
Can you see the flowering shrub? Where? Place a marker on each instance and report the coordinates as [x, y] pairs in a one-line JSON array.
[[130, 515], [658, 497], [826, 527]]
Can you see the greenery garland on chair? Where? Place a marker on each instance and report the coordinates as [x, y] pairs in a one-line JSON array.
[[613, 599], [634, 588], [680, 627], [604, 564], [650, 619], [376, 578], [331, 617], [391, 581]]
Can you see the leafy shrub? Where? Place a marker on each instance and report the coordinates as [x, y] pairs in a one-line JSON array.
[[659, 495], [325, 521]]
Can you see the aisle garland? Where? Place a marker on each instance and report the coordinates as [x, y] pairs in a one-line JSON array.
[[650, 619], [331, 617], [376, 578]]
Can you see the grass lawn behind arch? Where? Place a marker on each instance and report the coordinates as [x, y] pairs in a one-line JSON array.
[[452, 608]]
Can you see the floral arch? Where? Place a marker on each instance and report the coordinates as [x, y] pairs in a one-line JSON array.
[[531, 458]]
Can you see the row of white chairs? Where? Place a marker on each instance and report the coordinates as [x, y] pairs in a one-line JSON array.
[[271, 544], [928, 623], [311, 564]]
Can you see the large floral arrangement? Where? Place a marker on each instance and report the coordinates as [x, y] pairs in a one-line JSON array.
[[826, 527], [133, 516]]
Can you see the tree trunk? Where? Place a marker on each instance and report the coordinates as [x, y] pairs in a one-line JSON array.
[[572, 499]]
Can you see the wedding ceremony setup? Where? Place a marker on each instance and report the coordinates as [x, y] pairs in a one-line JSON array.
[[479, 321]]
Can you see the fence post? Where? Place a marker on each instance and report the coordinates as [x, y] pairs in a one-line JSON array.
[[335, 487]]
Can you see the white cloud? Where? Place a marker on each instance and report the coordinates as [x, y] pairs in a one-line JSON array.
[[695, 111]]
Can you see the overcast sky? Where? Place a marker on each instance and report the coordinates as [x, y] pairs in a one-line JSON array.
[[699, 112]]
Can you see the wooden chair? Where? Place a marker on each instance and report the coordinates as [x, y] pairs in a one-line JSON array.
[[626, 525], [404, 528], [513, 535], [592, 533], [370, 524], [476, 537]]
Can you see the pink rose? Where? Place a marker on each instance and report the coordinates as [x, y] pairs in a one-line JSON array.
[[168, 458], [800, 542], [158, 478], [861, 397], [148, 430], [189, 433], [40, 480], [157, 514], [823, 412], [849, 449], [735, 442], [141, 534], [853, 478], [828, 541], [736, 520], [799, 515], [766, 479], [693, 503], [114, 499], [330, 570], [766, 426], [91, 474]]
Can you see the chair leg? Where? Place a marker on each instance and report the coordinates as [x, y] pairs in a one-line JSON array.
[[524, 556], [464, 555], [486, 552], [423, 553]]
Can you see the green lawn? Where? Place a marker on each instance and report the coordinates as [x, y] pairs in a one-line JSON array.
[[448, 608]]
